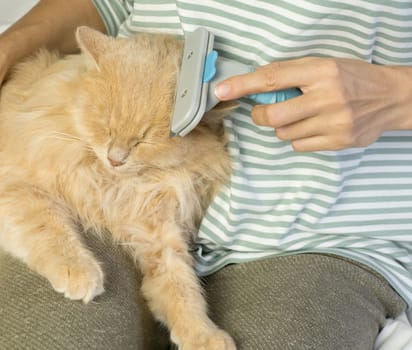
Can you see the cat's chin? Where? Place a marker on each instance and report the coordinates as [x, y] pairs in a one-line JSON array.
[[125, 170], [119, 170]]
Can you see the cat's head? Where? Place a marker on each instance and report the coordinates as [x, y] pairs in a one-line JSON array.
[[126, 99]]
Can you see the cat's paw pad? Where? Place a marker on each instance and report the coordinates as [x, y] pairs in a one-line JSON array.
[[78, 280], [215, 340]]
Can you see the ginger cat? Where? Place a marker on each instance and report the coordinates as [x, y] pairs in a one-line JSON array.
[[85, 139]]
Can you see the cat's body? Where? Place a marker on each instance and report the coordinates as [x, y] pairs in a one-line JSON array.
[[86, 140]]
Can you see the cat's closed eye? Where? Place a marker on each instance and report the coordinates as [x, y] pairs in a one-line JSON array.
[[135, 142]]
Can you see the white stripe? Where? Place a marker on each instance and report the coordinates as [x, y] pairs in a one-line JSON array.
[[378, 193], [391, 53], [154, 7], [349, 229], [157, 20], [281, 183], [393, 42], [281, 196], [404, 181], [369, 217], [161, 29]]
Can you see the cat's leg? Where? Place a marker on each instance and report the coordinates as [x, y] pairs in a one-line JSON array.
[[172, 288], [40, 232]]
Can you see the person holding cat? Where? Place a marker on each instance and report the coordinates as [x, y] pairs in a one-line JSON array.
[[309, 245]]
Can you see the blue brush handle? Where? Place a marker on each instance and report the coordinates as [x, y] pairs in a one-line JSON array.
[[275, 96], [217, 69]]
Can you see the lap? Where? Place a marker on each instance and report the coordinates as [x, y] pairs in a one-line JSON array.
[[306, 301], [297, 302], [34, 316]]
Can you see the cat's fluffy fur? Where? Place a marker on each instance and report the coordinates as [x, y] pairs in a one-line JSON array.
[[86, 139]]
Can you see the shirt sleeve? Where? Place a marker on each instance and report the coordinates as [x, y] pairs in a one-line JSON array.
[[113, 13]]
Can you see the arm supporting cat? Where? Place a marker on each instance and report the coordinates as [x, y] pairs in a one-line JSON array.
[[43, 26]]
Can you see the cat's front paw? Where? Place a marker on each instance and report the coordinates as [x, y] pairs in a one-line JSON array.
[[77, 279], [213, 340]]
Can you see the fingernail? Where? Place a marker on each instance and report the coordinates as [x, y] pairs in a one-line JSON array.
[[222, 91]]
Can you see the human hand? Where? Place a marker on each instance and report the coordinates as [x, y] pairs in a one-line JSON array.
[[345, 102]]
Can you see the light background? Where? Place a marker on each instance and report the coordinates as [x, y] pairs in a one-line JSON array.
[[11, 10]]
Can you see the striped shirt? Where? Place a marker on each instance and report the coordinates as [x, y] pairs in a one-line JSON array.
[[355, 203]]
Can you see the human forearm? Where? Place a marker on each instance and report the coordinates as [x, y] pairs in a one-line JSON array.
[[50, 24]]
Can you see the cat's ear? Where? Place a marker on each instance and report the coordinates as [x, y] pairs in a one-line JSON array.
[[214, 118], [92, 42]]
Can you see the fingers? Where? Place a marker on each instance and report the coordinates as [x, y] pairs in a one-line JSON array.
[[322, 132], [309, 135], [312, 144], [272, 77], [320, 143], [288, 112]]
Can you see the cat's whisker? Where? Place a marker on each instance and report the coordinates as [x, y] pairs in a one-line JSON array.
[[63, 138], [59, 138], [68, 137], [148, 142], [84, 145]]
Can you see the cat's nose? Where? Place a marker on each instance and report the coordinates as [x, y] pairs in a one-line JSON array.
[[115, 162], [117, 155]]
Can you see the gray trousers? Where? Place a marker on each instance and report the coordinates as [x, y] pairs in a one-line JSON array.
[[297, 302]]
